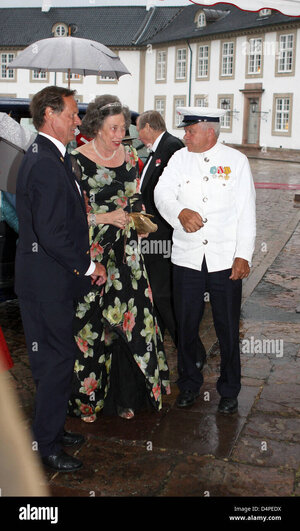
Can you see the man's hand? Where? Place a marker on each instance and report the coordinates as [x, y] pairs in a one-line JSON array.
[[99, 276], [190, 220], [240, 269]]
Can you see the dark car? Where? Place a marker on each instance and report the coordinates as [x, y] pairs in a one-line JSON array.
[[18, 109]]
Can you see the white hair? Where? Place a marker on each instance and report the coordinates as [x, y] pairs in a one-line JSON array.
[[212, 125]]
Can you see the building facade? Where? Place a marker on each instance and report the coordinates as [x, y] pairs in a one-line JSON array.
[[247, 63]]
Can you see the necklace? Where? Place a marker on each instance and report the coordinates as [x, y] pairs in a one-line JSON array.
[[101, 156]]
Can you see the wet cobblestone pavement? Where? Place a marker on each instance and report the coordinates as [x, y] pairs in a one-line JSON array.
[[197, 452]]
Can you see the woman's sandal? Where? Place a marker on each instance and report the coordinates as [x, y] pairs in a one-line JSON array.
[[125, 413]]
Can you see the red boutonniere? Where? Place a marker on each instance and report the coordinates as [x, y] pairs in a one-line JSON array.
[[157, 162]]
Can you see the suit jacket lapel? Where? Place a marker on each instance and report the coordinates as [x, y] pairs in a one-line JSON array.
[[40, 139]]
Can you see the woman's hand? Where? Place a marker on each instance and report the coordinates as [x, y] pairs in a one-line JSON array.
[[119, 218]]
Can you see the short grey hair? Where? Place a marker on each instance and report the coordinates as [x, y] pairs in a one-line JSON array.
[[98, 110], [212, 125], [153, 118]]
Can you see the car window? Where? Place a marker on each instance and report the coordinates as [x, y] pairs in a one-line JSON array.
[[27, 123]]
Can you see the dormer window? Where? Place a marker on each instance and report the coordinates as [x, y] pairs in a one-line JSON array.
[[60, 29], [265, 12], [200, 19]]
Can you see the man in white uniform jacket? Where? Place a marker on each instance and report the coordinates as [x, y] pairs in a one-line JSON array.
[[206, 193]]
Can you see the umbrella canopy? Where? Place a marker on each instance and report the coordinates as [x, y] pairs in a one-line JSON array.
[[71, 55], [286, 7]]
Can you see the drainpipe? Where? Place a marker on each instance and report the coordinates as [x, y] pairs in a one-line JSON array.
[[190, 74]]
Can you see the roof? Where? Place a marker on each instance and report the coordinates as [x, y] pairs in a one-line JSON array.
[[112, 26], [123, 26], [226, 18]]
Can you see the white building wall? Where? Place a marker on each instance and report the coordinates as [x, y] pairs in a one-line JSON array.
[[215, 86], [133, 89], [127, 88]]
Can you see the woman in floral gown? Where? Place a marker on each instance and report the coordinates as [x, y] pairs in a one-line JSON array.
[[121, 365]]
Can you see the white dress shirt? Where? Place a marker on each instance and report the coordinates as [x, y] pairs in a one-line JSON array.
[[153, 148], [217, 184]]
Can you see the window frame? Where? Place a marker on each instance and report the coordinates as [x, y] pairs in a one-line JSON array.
[[282, 132], [279, 73], [158, 51], [14, 71], [164, 99], [232, 74], [32, 79], [201, 96], [203, 45], [181, 79], [175, 115], [249, 74], [228, 117]]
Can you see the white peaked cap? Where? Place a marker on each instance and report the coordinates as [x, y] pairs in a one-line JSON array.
[[193, 115]]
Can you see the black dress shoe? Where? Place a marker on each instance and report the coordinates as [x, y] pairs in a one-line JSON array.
[[186, 398], [62, 462], [70, 439], [228, 405]]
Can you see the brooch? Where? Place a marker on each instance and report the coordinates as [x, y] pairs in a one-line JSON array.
[[157, 162]]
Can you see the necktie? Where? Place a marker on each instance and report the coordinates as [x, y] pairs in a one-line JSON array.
[[68, 164], [68, 161]]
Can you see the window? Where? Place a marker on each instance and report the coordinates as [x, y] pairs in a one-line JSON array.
[[179, 101], [73, 77], [60, 30], [227, 60], [181, 64], [106, 79], [282, 114], [265, 12], [7, 73], [161, 65], [37, 75], [225, 101], [286, 47], [203, 61], [255, 56], [201, 101], [200, 20], [160, 105]]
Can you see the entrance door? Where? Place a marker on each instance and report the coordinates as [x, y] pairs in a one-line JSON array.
[[253, 122]]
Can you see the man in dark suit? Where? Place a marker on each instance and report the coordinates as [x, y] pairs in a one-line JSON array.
[[53, 268], [157, 247]]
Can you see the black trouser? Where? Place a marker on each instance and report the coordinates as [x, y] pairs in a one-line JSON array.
[[48, 328], [190, 286], [160, 278]]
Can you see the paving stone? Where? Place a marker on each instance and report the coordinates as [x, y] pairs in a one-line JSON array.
[[285, 373], [202, 476], [139, 428], [273, 427], [200, 433], [256, 368], [266, 452], [283, 399], [114, 469]]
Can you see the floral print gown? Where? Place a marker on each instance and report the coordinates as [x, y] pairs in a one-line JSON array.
[[121, 359]]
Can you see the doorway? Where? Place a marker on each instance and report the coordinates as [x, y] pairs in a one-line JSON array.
[[252, 107], [253, 122]]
